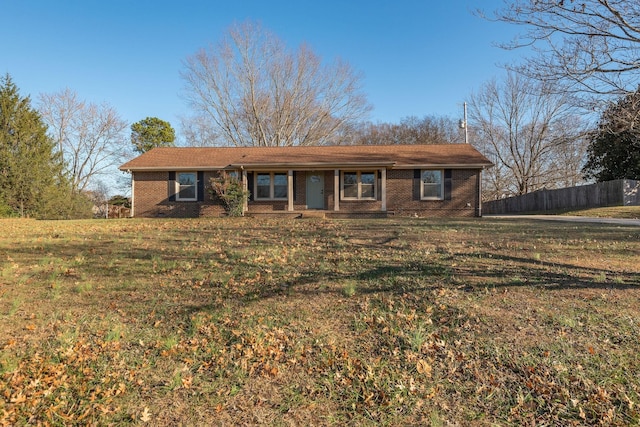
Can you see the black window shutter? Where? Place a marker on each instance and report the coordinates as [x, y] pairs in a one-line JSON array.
[[201, 186], [171, 186], [250, 184], [295, 182], [416, 184], [448, 181]]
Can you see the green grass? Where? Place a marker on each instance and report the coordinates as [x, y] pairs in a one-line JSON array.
[[319, 322], [627, 212]]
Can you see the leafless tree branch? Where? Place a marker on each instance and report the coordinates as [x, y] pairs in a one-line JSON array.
[[591, 47], [255, 92], [90, 137], [532, 134]]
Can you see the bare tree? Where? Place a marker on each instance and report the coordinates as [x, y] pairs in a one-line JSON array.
[[258, 93], [410, 130], [99, 196], [590, 46], [565, 165], [198, 132], [90, 137], [524, 128]]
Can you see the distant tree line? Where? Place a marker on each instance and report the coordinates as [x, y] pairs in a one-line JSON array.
[[410, 130]]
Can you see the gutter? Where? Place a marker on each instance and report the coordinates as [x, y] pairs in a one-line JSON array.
[[307, 166], [172, 168], [312, 165]]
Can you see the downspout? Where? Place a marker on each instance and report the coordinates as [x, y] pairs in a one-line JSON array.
[[383, 190], [132, 213]]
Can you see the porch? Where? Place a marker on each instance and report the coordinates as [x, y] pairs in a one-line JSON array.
[[314, 192]]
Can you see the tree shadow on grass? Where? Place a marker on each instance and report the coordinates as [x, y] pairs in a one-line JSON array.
[[126, 259], [514, 271]]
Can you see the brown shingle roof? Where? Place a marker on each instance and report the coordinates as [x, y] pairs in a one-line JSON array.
[[397, 156]]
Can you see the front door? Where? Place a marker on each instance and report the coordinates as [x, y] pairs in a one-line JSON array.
[[315, 190]]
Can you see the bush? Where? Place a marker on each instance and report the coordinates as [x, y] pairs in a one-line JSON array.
[[228, 190], [7, 211], [63, 203]]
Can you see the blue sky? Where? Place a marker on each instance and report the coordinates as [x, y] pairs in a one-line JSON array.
[[418, 58]]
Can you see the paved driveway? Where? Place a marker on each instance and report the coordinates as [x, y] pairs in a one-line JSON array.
[[587, 219]]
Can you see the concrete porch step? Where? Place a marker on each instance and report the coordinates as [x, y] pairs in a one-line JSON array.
[[313, 214]]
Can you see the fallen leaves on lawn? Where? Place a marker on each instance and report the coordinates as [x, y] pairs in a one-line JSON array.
[[438, 325], [68, 383]]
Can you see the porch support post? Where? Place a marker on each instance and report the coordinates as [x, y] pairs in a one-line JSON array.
[[245, 188], [383, 189], [336, 190], [479, 214], [290, 190]]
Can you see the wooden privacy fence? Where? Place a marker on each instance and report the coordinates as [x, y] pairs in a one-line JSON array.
[[621, 192]]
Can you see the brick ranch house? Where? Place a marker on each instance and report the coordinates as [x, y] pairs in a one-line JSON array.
[[438, 180]]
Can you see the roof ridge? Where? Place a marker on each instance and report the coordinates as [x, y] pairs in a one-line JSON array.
[[443, 144]]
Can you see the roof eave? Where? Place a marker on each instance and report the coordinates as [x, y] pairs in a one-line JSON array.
[[311, 165], [445, 166], [171, 168], [308, 166]]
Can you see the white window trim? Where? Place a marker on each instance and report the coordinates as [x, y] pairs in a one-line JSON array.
[[272, 182], [359, 173], [422, 196], [195, 184]]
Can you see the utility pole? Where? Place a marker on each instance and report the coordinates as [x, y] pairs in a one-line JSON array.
[[463, 125]]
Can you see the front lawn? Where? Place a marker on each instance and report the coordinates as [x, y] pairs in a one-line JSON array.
[[319, 322], [628, 212]]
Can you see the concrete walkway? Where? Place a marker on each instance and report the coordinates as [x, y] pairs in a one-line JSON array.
[[583, 219]]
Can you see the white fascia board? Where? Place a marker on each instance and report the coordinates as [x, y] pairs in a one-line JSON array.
[[445, 166], [312, 166], [177, 169]]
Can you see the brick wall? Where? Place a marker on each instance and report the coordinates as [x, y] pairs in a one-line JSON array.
[[151, 197], [300, 187], [404, 199]]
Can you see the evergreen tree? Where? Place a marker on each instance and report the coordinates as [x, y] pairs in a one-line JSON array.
[[150, 133], [32, 183], [614, 147]]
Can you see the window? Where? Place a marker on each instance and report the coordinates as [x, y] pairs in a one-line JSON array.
[[350, 185], [271, 186], [263, 186], [367, 185], [279, 186], [359, 185], [431, 187], [186, 184]]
